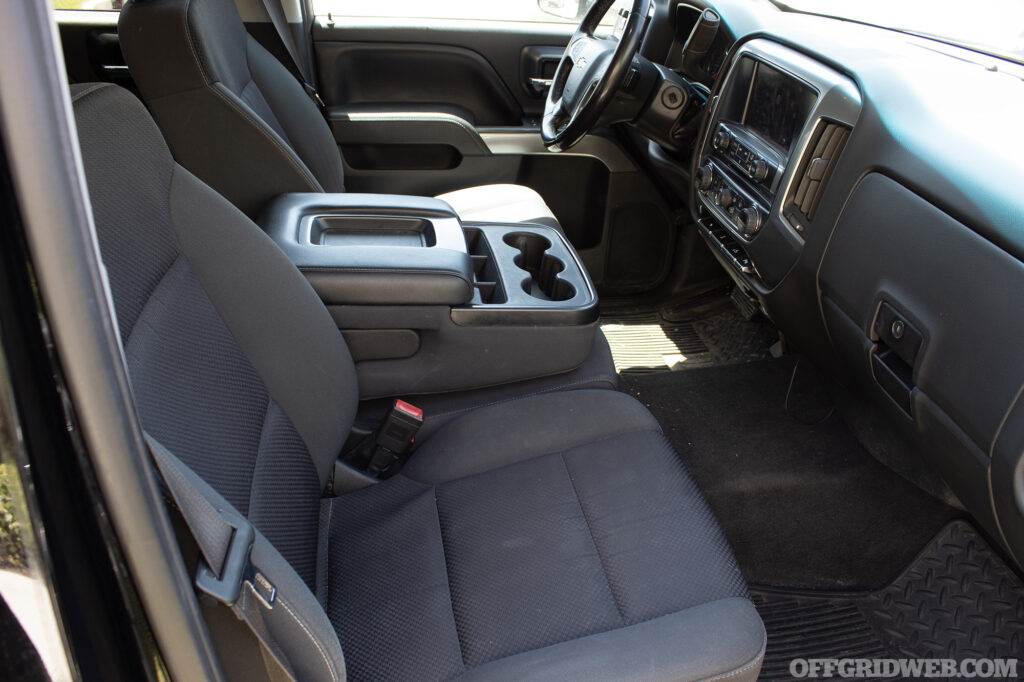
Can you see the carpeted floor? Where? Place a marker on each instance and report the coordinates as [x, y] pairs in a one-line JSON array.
[[803, 505]]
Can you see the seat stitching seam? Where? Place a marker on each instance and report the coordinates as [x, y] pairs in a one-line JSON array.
[[280, 133], [259, 448], [88, 91], [757, 660], [289, 154], [149, 297], [252, 81], [543, 454], [593, 540], [191, 44], [316, 642], [543, 391], [447, 578]]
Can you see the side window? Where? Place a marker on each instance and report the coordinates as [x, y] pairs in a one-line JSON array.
[[546, 11], [101, 5]]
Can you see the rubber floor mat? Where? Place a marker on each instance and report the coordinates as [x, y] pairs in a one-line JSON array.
[[646, 343], [956, 600]]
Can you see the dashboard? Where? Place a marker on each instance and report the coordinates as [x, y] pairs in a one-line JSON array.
[[862, 188]]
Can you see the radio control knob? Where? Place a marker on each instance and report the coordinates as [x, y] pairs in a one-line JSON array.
[[750, 220], [759, 170], [722, 140], [705, 175], [725, 197]]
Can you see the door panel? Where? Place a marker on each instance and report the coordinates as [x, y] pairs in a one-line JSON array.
[[428, 106], [498, 45], [392, 75]]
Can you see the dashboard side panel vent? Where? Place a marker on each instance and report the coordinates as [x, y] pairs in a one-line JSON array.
[[816, 167]]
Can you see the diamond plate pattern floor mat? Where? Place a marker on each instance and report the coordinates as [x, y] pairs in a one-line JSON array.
[[642, 343], [646, 343], [958, 600]]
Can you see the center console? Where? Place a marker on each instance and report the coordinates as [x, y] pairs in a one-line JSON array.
[[428, 304], [775, 130]]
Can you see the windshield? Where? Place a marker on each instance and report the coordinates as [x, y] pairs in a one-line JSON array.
[[995, 26]]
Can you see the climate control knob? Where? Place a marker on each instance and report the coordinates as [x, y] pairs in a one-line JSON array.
[[759, 170], [750, 220], [725, 197], [705, 176], [722, 140]]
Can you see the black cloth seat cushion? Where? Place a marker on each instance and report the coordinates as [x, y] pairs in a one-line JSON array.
[[523, 527]]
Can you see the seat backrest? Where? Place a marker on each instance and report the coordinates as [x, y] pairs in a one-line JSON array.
[[235, 365], [231, 112]]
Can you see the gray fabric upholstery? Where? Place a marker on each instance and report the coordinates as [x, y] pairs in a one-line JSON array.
[[553, 534], [214, 377], [520, 535], [297, 622], [239, 120], [232, 114], [718, 636], [597, 371]]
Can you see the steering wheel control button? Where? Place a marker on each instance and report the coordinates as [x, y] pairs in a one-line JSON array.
[[672, 97], [899, 328]]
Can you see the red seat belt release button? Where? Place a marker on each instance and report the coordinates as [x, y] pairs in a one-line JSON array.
[[411, 410]]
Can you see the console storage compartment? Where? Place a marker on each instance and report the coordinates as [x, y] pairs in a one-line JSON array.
[[428, 304]]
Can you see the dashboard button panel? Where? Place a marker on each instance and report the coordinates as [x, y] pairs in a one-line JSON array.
[[756, 160], [729, 202]]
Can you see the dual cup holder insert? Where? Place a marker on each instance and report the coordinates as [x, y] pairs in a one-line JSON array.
[[543, 267]]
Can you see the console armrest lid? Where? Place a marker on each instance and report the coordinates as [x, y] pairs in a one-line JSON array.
[[367, 249]]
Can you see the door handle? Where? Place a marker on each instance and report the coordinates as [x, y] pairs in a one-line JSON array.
[[541, 85]]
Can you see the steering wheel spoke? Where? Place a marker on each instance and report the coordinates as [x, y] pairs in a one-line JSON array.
[[589, 74]]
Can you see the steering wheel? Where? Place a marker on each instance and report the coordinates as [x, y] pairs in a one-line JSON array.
[[591, 71]]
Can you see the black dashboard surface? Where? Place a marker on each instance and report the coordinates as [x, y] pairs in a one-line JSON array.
[[928, 197]]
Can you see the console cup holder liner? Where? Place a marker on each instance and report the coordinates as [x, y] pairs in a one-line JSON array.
[[544, 268]]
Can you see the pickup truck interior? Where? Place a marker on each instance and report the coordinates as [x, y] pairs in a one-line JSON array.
[[567, 339]]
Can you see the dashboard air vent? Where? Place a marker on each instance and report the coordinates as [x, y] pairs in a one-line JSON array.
[[816, 167]]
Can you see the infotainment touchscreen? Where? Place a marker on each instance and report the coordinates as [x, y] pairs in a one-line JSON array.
[[778, 105]]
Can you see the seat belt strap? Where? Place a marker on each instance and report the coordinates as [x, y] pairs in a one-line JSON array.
[[226, 573], [284, 32]]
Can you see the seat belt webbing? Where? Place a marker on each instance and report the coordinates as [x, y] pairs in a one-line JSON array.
[[276, 14], [226, 573]]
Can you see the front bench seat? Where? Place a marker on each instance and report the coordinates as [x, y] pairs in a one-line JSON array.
[[237, 118], [557, 536]]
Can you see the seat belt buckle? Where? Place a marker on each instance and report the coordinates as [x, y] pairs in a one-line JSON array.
[[395, 436], [236, 568]]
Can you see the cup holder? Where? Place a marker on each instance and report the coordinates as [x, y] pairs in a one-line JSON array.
[[543, 282]]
